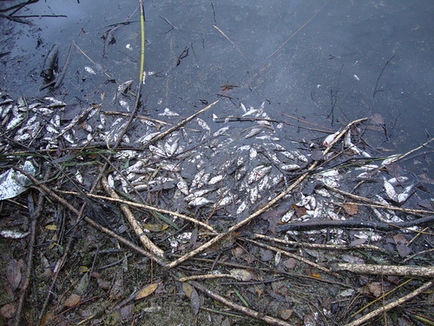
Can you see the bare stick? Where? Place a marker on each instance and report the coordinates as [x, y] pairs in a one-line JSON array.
[[146, 242], [34, 216], [247, 311], [400, 157], [391, 305], [286, 253], [412, 271], [151, 208]]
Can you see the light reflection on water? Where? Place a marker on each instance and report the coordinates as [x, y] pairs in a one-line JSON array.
[[328, 65]]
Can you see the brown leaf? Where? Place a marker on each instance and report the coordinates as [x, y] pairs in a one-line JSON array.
[[351, 209], [400, 239], [8, 310], [192, 294], [14, 274], [290, 263], [299, 210], [375, 289], [286, 313], [155, 227], [195, 301], [72, 300], [188, 289], [403, 250], [146, 291], [241, 275]]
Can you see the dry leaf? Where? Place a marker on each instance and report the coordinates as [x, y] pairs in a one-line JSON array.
[[289, 263], [188, 289], [8, 310], [14, 274], [400, 239], [72, 300], [286, 313], [146, 291], [351, 209], [155, 227], [375, 289], [241, 275], [192, 294], [299, 210], [195, 301]]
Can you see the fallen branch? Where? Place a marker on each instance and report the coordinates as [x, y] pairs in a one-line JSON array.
[[146, 242], [391, 305], [411, 271], [34, 215], [147, 207], [354, 224], [299, 258]]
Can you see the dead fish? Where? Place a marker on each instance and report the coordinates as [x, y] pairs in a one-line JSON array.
[[290, 167], [199, 201], [203, 124], [330, 138], [122, 89], [225, 201], [242, 207], [181, 184], [168, 113], [258, 173], [397, 197], [253, 132], [215, 179], [51, 64], [254, 194], [89, 70]]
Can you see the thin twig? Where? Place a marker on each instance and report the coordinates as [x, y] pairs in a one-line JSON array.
[[391, 305], [299, 258], [26, 279], [247, 311]]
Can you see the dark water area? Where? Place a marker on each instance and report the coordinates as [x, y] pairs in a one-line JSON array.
[[326, 62]]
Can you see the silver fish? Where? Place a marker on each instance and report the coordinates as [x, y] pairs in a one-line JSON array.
[[199, 201], [258, 173]]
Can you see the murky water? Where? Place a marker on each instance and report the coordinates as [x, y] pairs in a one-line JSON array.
[[327, 62]]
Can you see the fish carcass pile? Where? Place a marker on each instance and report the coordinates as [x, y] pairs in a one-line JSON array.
[[220, 170]]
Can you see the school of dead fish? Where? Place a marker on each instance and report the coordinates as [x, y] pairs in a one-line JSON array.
[[227, 165]]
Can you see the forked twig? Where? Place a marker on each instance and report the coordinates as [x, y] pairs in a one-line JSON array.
[[146, 242]]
